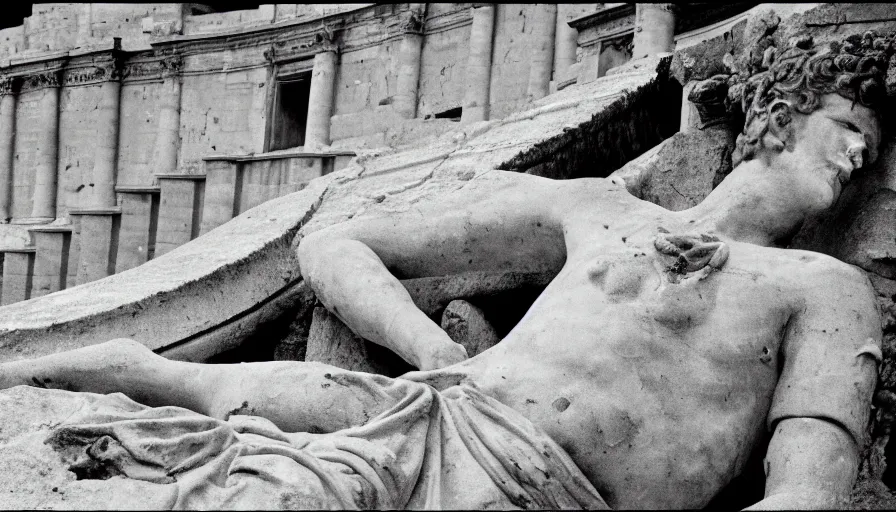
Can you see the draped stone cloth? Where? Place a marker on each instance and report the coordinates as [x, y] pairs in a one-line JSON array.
[[454, 448]]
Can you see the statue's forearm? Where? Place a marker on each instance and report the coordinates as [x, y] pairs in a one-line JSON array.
[[352, 282], [811, 463]]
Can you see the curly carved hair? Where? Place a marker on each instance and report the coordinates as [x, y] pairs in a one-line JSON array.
[[855, 68]]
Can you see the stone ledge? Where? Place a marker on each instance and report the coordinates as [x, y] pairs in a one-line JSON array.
[[180, 176], [26, 250], [51, 229], [138, 189], [95, 211], [276, 155]]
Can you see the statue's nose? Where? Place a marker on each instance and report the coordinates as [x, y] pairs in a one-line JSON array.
[[858, 155]]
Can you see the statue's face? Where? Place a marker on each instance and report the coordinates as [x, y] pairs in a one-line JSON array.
[[829, 144]]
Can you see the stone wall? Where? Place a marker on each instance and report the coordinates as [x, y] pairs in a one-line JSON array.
[[52, 27], [444, 59], [78, 126], [138, 128], [221, 113], [24, 158]]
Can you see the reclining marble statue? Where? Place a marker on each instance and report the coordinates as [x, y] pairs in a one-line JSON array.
[[669, 346]]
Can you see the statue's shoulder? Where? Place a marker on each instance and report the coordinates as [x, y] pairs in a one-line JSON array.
[[813, 273]]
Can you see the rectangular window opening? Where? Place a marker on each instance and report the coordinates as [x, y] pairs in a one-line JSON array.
[[290, 111]]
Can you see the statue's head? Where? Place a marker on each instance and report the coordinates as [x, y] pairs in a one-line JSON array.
[[812, 109]]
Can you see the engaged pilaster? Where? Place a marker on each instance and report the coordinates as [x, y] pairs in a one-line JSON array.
[[564, 43], [409, 52], [7, 144], [320, 96], [44, 199], [654, 29], [106, 155], [167, 140], [542, 60], [479, 66]]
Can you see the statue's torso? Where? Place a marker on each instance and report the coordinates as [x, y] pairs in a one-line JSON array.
[[658, 390]]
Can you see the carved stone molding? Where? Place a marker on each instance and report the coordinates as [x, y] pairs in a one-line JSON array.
[[412, 23], [94, 73], [323, 40], [155, 69], [172, 66], [9, 85], [42, 80]]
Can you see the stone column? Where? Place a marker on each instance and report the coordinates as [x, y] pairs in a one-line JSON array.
[[654, 29], [479, 66], [167, 140], [564, 43], [106, 154], [541, 63], [320, 99], [44, 198], [7, 144], [409, 51]]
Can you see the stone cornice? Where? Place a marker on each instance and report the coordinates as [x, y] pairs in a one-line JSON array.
[[306, 36], [322, 40], [447, 21], [605, 24]]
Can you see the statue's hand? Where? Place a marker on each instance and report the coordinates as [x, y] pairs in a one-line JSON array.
[[439, 355]]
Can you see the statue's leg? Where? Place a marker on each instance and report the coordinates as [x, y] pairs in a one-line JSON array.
[[296, 396]]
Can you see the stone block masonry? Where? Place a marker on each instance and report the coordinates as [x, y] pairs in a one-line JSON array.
[[179, 212]]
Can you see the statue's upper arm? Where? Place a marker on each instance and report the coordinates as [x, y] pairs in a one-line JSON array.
[[830, 350], [514, 226]]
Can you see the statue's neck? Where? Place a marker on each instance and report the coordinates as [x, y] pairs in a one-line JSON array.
[[754, 204]]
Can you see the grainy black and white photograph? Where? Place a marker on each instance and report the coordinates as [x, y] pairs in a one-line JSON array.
[[447, 256]]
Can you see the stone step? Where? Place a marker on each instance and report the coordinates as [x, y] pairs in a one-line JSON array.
[[18, 270], [52, 244], [180, 210], [139, 222]]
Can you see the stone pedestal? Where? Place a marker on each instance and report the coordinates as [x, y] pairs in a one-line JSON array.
[[222, 184], [180, 210], [320, 99], [139, 217], [44, 204], [74, 251], [479, 66], [106, 154], [18, 269], [51, 259], [98, 242], [654, 29], [541, 63], [7, 146]]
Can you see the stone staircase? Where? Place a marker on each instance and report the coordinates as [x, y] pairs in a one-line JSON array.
[[149, 221]]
